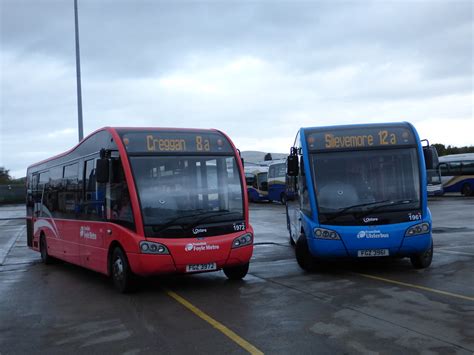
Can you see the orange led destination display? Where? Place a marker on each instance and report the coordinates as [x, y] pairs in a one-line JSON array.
[[358, 137], [175, 142]]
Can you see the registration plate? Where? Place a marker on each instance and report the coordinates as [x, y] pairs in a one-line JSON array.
[[372, 252], [201, 267]]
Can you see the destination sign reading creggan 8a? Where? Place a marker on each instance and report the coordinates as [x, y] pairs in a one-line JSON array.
[[358, 137], [175, 142]]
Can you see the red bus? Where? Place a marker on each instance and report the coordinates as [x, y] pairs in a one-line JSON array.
[[143, 201]]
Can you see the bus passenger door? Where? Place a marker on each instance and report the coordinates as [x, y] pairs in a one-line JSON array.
[[92, 229]]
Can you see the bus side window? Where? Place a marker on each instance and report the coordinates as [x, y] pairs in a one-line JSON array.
[[69, 197], [271, 172], [50, 199], [455, 168], [468, 168]]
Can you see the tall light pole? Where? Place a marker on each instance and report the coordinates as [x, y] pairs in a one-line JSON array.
[[78, 76]]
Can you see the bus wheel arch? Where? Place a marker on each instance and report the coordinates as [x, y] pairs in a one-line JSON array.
[[119, 269]]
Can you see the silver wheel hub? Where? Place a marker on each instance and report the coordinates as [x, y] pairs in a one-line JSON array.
[[118, 269]]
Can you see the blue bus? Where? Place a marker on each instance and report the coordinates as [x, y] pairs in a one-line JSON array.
[[359, 191], [276, 181]]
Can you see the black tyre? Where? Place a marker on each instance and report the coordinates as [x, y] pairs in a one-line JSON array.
[[283, 198], [236, 272], [44, 251], [304, 258], [466, 190], [122, 276], [423, 260]]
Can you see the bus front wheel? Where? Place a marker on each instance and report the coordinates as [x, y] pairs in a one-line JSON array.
[[44, 251], [304, 258], [466, 190], [236, 272], [423, 260], [122, 276]]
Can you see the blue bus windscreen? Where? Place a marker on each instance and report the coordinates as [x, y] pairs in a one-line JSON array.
[[356, 181]]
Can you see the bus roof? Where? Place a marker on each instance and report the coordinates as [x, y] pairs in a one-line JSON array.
[[124, 129], [456, 157]]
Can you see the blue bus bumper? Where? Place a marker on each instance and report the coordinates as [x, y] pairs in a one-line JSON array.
[[348, 246]]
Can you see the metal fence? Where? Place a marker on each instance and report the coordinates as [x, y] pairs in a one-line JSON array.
[[12, 194]]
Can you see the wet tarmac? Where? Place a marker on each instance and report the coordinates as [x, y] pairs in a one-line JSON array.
[[374, 306]]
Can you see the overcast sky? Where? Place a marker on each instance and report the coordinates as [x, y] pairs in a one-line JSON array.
[[258, 70]]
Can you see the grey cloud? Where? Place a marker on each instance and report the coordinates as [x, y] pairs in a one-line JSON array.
[[143, 37], [123, 42]]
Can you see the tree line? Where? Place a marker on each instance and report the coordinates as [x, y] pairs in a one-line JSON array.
[[443, 150], [6, 179]]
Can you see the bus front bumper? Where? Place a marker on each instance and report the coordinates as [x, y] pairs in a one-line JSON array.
[[149, 264], [321, 248]]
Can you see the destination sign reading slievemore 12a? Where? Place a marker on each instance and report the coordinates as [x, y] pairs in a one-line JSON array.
[[358, 137], [175, 142]]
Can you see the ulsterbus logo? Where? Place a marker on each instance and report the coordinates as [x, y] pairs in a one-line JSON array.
[[375, 234]]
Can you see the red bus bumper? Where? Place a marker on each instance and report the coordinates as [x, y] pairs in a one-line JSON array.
[[151, 264]]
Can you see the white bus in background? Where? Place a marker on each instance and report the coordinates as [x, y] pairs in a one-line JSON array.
[[256, 177], [277, 181], [457, 173]]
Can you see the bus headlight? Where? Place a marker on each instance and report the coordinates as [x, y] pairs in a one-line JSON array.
[[421, 228], [322, 233], [243, 240], [153, 248]]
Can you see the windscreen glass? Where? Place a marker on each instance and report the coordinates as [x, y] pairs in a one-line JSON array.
[[357, 181], [184, 191]]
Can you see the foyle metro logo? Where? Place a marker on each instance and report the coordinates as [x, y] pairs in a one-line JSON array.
[[201, 246], [86, 233]]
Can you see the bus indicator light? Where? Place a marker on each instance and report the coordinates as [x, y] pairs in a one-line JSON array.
[[417, 229], [241, 241], [322, 233], [153, 248]]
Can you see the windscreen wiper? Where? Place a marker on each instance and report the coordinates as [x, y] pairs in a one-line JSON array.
[[347, 209], [173, 221], [388, 204]]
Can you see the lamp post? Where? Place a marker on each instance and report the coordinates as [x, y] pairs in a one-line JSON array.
[[78, 75]]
